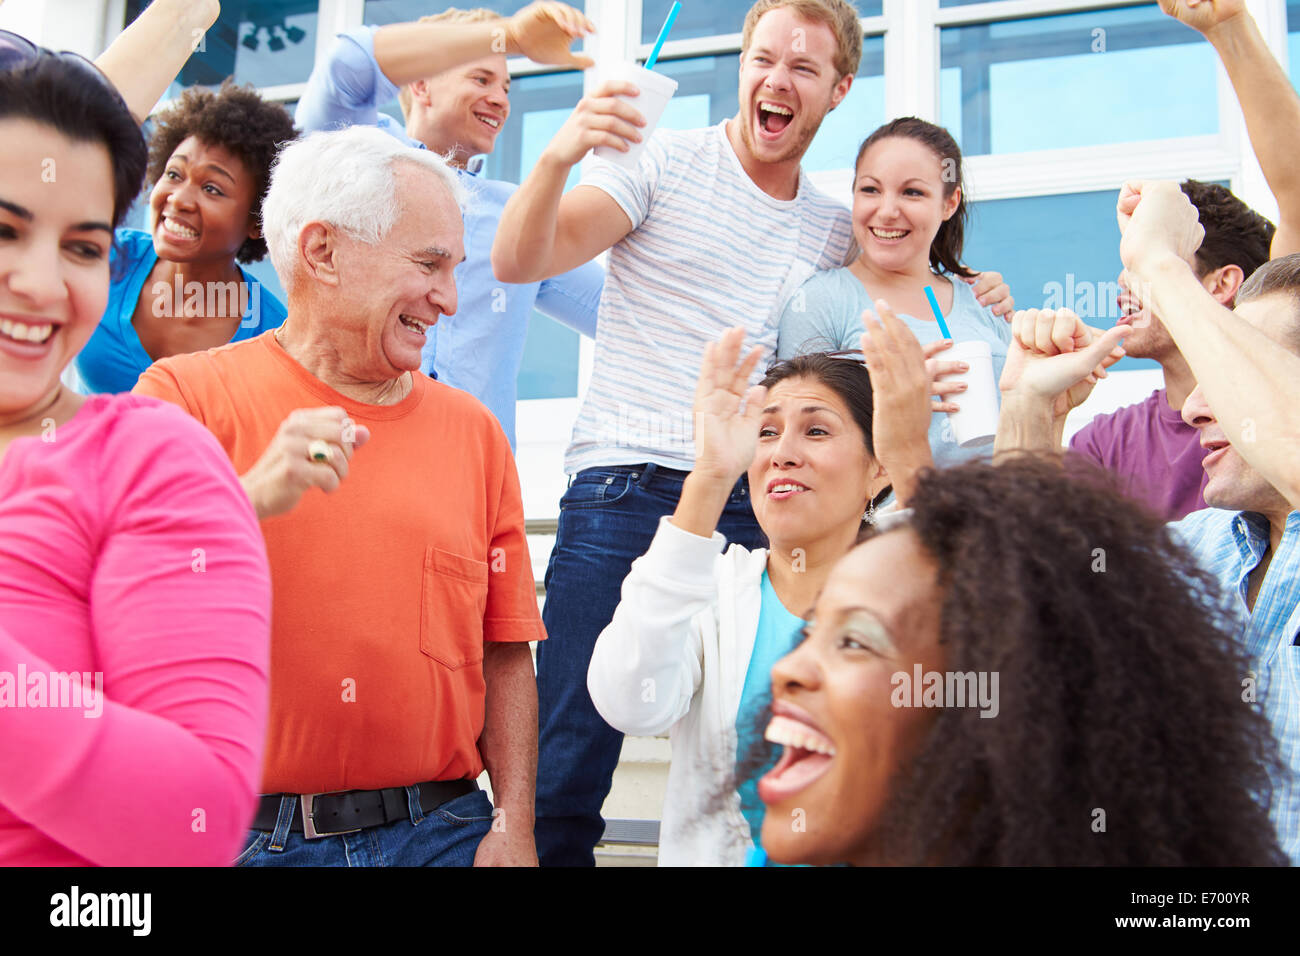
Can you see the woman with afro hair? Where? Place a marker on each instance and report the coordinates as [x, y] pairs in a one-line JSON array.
[[1022, 669], [179, 287]]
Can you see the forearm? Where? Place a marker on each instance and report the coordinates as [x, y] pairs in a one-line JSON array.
[[1269, 104], [248, 482], [509, 739], [58, 762], [1025, 423], [407, 52], [526, 235], [904, 466], [148, 55], [701, 505], [1247, 377]]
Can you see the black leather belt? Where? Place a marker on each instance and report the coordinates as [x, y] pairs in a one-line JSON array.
[[347, 811]]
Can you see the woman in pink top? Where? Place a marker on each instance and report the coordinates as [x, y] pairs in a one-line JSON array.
[[134, 591]]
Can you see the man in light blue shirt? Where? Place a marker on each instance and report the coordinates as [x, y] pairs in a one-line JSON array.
[[1249, 540], [456, 100]]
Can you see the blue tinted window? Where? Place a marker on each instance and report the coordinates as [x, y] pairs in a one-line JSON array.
[[1055, 82], [846, 126], [1055, 251], [1293, 42], [539, 105], [718, 17], [381, 12], [707, 94], [268, 43]]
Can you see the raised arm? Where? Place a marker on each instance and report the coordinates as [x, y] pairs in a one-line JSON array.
[[904, 375], [1052, 365], [543, 32], [1248, 379], [1268, 101], [148, 55], [544, 232]]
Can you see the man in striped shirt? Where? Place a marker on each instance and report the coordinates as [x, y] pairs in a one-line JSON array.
[[713, 228]]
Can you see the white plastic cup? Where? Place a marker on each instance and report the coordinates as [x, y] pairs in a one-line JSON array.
[[656, 90], [976, 424]]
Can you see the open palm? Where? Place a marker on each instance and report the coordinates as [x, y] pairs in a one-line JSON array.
[[725, 436]]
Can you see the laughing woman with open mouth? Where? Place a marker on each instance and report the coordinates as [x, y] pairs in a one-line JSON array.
[[1117, 734], [180, 287]]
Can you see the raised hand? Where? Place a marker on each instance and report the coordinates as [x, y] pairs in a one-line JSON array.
[[1156, 219], [1056, 359], [903, 377], [726, 437], [277, 481], [600, 119], [1203, 15], [544, 32], [992, 291]]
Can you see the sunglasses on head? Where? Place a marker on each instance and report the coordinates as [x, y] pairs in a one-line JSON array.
[[18, 51], [851, 355]]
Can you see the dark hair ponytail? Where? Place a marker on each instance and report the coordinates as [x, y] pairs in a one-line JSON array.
[[945, 250]]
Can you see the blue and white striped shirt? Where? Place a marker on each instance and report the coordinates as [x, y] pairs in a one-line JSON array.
[[1229, 545], [708, 250]]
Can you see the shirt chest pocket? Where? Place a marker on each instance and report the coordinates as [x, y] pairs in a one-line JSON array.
[[453, 599]]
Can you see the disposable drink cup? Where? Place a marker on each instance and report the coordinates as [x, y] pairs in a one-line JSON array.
[[656, 90], [977, 422]]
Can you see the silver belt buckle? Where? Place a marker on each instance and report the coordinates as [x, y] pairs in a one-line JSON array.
[[309, 825]]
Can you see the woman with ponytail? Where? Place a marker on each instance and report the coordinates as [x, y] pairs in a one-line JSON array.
[[909, 219]]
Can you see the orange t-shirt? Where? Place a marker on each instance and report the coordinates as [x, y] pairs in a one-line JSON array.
[[384, 591]]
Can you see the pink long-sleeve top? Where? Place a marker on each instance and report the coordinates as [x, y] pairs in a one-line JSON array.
[[129, 550]]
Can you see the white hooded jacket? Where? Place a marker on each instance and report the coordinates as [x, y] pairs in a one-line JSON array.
[[674, 658]]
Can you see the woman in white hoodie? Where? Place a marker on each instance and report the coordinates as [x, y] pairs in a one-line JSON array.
[[697, 630]]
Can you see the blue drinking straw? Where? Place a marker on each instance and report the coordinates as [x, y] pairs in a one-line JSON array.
[[934, 307], [663, 35]]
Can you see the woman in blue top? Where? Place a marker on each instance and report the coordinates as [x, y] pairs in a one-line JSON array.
[[179, 287], [909, 220]]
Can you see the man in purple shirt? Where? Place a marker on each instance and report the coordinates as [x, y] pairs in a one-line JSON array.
[[1156, 454]]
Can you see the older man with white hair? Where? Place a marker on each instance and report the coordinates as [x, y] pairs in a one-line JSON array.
[[403, 600]]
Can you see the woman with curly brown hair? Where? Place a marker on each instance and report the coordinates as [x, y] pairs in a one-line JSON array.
[[1025, 670], [179, 287]]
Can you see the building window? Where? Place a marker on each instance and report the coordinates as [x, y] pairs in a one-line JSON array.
[[382, 12], [269, 43], [1055, 252], [723, 17], [1064, 81]]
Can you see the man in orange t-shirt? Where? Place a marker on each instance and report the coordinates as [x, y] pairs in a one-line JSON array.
[[403, 601]]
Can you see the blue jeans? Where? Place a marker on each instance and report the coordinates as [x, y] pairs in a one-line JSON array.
[[447, 836], [608, 517]]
